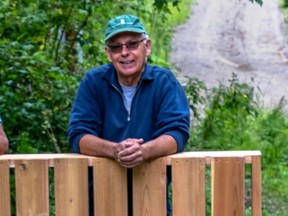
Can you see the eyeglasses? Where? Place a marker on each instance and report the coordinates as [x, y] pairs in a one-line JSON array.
[[132, 45]]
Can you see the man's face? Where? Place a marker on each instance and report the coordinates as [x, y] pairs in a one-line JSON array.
[[129, 59]]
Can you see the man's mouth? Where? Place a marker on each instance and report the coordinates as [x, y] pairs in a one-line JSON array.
[[127, 62]]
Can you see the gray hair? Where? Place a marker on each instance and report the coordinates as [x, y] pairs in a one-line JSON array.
[[145, 36]]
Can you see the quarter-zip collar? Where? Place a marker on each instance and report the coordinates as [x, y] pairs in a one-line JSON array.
[[111, 76]]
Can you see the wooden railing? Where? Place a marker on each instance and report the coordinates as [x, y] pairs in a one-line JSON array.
[[189, 182]]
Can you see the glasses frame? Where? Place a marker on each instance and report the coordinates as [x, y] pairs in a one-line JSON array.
[[131, 46]]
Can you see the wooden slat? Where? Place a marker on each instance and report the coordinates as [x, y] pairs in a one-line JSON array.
[[71, 187], [5, 202], [110, 188], [149, 188], [50, 157], [213, 154], [256, 186], [188, 187], [227, 186], [32, 195]]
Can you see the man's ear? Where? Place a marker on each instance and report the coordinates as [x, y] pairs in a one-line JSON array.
[[148, 47], [108, 54]]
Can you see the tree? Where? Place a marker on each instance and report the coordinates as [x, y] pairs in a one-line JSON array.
[[40, 67]]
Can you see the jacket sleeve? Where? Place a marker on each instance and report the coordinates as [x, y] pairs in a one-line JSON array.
[[174, 113], [85, 113]]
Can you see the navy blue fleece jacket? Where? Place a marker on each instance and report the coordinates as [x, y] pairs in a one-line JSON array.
[[159, 107]]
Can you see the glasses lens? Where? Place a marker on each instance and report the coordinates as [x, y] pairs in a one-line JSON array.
[[115, 48], [132, 45]]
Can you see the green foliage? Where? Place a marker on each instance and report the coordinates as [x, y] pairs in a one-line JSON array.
[[285, 3], [233, 121], [41, 62], [163, 4], [260, 2], [195, 91], [228, 112], [180, 13], [32, 103], [284, 8]]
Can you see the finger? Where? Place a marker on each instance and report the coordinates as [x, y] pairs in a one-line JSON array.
[[130, 164], [136, 157]]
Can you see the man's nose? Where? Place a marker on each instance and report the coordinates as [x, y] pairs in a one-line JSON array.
[[125, 50]]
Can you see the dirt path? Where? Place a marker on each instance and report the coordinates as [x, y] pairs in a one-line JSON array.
[[226, 36]]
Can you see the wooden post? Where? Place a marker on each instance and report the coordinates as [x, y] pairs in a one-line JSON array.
[[110, 188], [256, 186], [71, 187], [188, 186], [32, 192], [5, 201], [227, 186], [149, 188]]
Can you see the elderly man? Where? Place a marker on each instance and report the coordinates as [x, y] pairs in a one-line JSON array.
[[129, 110]]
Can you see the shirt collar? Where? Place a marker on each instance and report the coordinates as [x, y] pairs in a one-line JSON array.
[[111, 76]]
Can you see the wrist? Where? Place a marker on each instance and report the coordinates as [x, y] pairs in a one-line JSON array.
[[145, 153]]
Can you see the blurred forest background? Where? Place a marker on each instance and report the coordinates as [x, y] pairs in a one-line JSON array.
[[47, 45]]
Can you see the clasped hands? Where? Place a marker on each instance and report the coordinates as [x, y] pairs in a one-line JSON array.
[[129, 153]]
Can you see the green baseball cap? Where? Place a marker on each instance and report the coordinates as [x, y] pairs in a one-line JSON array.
[[123, 23]]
